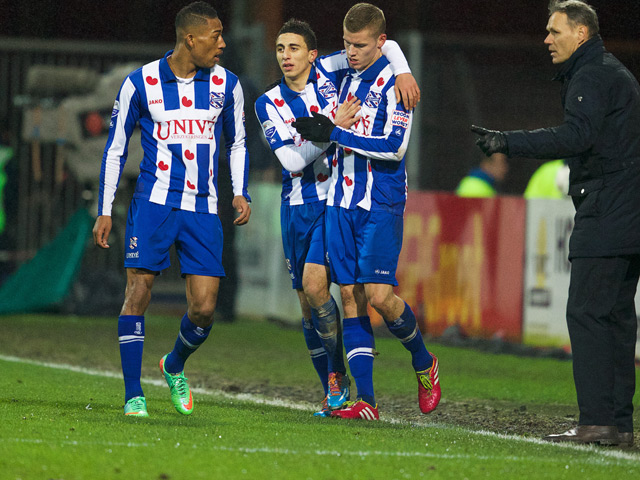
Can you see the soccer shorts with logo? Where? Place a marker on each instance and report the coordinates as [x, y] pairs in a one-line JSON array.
[[152, 229], [302, 237], [363, 246]]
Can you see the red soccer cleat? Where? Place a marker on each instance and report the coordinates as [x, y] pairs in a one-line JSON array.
[[357, 409], [429, 387]]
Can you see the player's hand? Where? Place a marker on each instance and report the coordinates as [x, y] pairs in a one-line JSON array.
[[316, 129], [407, 90], [347, 113], [242, 207], [491, 141], [101, 230]]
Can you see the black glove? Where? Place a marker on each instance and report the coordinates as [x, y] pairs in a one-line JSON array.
[[491, 141], [317, 128]]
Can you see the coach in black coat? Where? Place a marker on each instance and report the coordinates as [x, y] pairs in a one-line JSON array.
[[600, 137]]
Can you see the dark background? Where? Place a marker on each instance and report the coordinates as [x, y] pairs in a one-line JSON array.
[[152, 21]]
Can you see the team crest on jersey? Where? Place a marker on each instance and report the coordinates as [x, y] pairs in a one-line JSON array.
[[373, 99], [216, 100], [327, 90], [133, 243], [400, 119]]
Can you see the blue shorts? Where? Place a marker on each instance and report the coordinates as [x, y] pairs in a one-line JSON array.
[[302, 237], [152, 229], [363, 246]]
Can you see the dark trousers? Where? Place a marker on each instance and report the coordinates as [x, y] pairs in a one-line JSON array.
[[602, 323]]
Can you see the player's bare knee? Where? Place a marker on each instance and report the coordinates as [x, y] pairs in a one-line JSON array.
[[201, 314]]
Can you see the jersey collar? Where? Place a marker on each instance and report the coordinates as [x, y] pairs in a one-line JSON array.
[[167, 75], [371, 73]]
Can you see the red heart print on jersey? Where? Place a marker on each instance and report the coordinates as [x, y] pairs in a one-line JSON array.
[[322, 177], [350, 96], [313, 108], [163, 166], [348, 181], [188, 155], [191, 185], [317, 75], [380, 81], [210, 172], [369, 167], [217, 80], [347, 151], [334, 162], [186, 102], [279, 102], [296, 175], [151, 81]]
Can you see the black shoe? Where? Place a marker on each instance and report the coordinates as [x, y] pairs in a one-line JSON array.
[[599, 434], [625, 439]]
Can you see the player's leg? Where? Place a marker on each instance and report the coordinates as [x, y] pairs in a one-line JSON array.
[[131, 338], [316, 350], [148, 237], [296, 224], [379, 249], [326, 320], [357, 333], [199, 248]]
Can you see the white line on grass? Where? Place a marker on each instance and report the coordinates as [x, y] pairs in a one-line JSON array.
[[259, 399]]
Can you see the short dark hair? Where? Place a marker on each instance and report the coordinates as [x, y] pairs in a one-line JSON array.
[[299, 27], [365, 15], [578, 13], [196, 13]]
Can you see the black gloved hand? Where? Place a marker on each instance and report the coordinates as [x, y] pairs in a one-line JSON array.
[[491, 141], [317, 128]]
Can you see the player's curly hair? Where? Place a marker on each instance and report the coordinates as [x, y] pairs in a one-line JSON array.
[[578, 13], [196, 13], [365, 15], [302, 28]]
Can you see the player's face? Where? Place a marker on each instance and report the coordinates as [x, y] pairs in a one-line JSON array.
[[208, 43], [363, 48], [294, 57], [563, 39]]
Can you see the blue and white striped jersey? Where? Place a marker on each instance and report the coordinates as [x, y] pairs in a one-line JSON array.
[[370, 170], [306, 166], [181, 121]]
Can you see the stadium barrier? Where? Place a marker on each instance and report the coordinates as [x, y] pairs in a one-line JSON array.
[[494, 268]]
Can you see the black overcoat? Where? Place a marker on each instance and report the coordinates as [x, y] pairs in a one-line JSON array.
[[600, 138]]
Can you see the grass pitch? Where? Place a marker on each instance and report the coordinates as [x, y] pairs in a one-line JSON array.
[[62, 397]]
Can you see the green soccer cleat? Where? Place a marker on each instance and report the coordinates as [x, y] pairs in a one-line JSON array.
[[136, 407], [180, 391]]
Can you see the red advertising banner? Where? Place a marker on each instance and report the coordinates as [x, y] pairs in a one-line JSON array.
[[462, 263]]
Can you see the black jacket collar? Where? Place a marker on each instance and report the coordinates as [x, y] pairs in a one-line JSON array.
[[589, 50]]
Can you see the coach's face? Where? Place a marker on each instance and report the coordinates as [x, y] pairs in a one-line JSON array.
[[563, 38], [206, 43], [363, 48]]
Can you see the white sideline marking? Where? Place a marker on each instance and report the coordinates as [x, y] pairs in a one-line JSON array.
[[258, 399]]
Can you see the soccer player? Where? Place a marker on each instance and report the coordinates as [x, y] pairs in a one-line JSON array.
[[309, 85], [365, 205], [182, 102]]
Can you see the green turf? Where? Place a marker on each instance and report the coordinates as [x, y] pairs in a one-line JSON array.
[[60, 424]]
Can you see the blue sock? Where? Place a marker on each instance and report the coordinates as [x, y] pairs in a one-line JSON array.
[[326, 320], [359, 344], [406, 329], [189, 339], [317, 352], [131, 338]]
